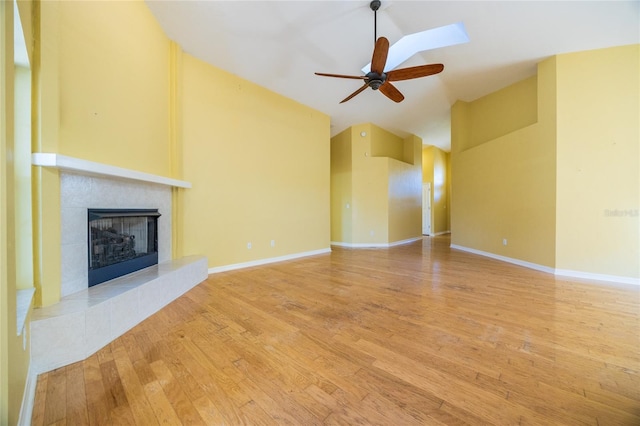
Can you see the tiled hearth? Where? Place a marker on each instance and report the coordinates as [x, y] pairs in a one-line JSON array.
[[82, 323]]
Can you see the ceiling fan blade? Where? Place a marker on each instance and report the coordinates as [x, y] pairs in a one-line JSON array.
[[414, 72], [357, 77], [380, 53], [355, 93], [390, 91]]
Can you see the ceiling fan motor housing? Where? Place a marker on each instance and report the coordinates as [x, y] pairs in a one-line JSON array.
[[375, 80]]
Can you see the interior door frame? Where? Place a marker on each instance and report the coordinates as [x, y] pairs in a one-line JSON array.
[[426, 208]]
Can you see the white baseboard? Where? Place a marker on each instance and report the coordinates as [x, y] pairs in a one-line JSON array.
[[518, 262], [597, 277], [28, 398], [554, 271], [259, 262], [359, 245], [374, 245]]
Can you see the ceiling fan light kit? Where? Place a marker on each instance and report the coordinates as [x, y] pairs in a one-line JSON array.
[[377, 78]]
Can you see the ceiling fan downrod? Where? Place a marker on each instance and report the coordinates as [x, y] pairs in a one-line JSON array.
[[375, 5]]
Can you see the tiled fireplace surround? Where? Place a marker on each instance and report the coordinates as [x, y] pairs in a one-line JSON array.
[[86, 319]]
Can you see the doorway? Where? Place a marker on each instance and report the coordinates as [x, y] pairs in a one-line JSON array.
[[426, 208]]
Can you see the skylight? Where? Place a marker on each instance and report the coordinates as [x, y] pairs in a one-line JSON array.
[[411, 44]]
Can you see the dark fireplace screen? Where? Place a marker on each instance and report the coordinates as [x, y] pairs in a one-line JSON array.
[[121, 241]]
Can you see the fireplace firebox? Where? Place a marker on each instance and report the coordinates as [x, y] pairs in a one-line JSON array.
[[121, 241]]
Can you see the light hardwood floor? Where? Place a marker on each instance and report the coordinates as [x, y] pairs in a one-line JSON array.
[[415, 334]]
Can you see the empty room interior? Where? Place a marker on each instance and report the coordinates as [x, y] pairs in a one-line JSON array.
[[319, 212]]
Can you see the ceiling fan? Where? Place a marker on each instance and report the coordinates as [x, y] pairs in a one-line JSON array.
[[377, 79]]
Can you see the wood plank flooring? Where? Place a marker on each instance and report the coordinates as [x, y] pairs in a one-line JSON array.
[[414, 334]]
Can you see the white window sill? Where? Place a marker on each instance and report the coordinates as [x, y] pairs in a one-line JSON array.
[[24, 299]]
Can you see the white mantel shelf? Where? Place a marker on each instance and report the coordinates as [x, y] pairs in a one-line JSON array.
[[64, 162]]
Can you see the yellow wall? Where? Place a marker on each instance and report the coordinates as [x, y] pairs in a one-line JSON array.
[[7, 256], [435, 170], [45, 128], [370, 188], [377, 174], [505, 188], [598, 180], [502, 112], [175, 147], [341, 196], [385, 144], [114, 85], [14, 347], [405, 190], [564, 191], [259, 165]]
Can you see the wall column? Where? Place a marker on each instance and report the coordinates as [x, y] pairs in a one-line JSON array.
[[46, 181], [175, 130]]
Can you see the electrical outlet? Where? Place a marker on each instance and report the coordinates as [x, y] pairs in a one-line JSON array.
[[273, 243], [249, 246], [504, 241]]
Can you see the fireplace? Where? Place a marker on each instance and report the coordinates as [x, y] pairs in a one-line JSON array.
[[121, 241]]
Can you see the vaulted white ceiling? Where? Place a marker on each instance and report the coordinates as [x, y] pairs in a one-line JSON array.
[[280, 44]]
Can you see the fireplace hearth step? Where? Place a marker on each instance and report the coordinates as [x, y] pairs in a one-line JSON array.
[[84, 322]]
